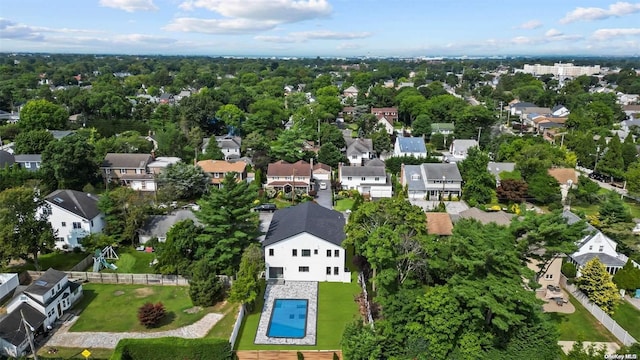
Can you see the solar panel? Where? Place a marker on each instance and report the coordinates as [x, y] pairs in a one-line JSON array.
[[41, 283]]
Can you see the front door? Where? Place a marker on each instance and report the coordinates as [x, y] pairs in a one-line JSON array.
[[276, 273]]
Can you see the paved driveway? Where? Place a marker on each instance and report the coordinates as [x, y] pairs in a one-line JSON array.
[[324, 196], [453, 207], [265, 220]]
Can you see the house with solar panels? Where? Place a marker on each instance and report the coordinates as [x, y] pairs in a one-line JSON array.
[[304, 243], [40, 304], [410, 146]]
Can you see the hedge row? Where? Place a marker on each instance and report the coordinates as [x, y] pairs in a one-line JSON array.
[[172, 348]]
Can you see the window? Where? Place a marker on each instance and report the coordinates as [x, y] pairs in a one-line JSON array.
[[590, 247], [38, 165], [303, 269], [601, 248], [27, 165], [315, 251], [363, 178], [123, 171], [377, 178], [143, 185], [349, 178], [354, 156], [294, 252], [64, 224], [328, 253], [336, 270], [216, 175], [328, 270], [415, 177], [306, 252], [138, 171], [91, 223], [77, 225], [270, 252], [548, 276], [336, 253]]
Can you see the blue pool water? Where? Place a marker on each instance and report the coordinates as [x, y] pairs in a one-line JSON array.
[[288, 318]]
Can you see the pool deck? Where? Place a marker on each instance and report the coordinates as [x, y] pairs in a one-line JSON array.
[[289, 290]]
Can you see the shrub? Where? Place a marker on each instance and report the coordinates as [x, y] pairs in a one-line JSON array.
[[335, 356], [150, 314], [569, 270], [300, 355], [205, 288], [172, 348]]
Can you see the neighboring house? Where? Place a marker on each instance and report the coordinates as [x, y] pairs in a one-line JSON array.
[[486, 217], [8, 283], [166, 98], [460, 149], [595, 244], [129, 170], [370, 180], [442, 128], [410, 146], [631, 110], [350, 92], [74, 215], [560, 111], [321, 171], [284, 176], [359, 151], [431, 181], [218, 169], [390, 113], [304, 243], [230, 146], [439, 223], [30, 162], [627, 125], [6, 159], [566, 177], [495, 168], [386, 124], [550, 274], [160, 163], [41, 303], [157, 226]]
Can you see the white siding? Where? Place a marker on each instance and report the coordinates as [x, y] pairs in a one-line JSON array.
[[149, 185], [68, 233], [317, 263]]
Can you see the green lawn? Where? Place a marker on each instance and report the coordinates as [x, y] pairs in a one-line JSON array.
[[57, 260], [628, 316], [133, 262], [336, 308], [114, 307], [74, 353], [344, 204], [581, 325], [223, 328]]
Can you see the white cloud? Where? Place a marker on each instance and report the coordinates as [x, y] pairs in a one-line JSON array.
[[593, 13], [219, 26], [605, 34], [552, 33], [530, 25], [281, 11], [130, 5], [11, 30], [304, 36]]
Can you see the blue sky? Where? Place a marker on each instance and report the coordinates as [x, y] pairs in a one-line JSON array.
[[322, 27]]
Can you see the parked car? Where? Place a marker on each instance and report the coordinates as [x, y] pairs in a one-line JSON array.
[[266, 207], [323, 186]]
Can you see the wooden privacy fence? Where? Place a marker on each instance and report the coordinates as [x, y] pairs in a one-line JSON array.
[[287, 354], [117, 278], [84, 264]]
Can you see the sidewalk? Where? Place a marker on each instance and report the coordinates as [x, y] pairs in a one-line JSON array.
[[63, 338], [633, 301]]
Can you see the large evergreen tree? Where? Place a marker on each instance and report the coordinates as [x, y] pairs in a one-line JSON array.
[[596, 283]]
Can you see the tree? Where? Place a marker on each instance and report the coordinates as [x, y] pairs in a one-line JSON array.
[[591, 352], [184, 181], [613, 210], [359, 342], [628, 277], [289, 146], [212, 151], [205, 288], [246, 287], [151, 314], [543, 188], [381, 141], [612, 162], [421, 126], [125, 211], [633, 178], [480, 184], [177, 254], [24, 229], [231, 115], [629, 152], [329, 154], [586, 191], [32, 142], [596, 283], [44, 115], [69, 163], [512, 191], [229, 223]]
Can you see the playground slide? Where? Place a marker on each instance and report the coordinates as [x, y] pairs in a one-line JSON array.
[[107, 265]]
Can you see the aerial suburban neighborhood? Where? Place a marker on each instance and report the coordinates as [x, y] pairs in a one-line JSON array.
[[353, 207]]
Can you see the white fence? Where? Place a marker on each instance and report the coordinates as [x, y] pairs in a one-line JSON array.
[[236, 327], [599, 314], [363, 284], [117, 278]]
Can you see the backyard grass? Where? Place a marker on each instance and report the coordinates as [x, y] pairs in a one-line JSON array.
[[131, 261], [224, 327], [114, 307], [627, 316], [344, 204], [336, 308], [75, 353], [581, 325], [57, 260]]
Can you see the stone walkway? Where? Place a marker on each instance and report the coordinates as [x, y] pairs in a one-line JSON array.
[[64, 338]]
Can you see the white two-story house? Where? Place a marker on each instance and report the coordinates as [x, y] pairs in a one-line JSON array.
[[41, 304], [431, 181], [359, 150], [304, 243], [74, 215], [370, 180], [129, 170]]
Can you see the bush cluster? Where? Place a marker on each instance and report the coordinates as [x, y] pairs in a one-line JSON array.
[[172, 348]]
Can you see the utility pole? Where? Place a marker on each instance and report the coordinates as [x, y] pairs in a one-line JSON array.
[[595, 166], [479, 132], [29, 331]]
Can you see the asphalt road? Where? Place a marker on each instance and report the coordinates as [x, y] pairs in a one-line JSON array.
[[324, 196]]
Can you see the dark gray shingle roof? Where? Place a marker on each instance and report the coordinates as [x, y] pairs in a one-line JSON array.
[[411, 144], [605, 259], [45, 282], [80, 203], [435, 171], [159, 225], [126, 161], [12, 328], [307, 217], [6, 159]]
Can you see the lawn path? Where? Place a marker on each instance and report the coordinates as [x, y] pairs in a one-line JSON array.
[[109, 340]]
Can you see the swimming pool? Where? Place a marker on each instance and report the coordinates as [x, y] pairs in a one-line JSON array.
[[288, 318]]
